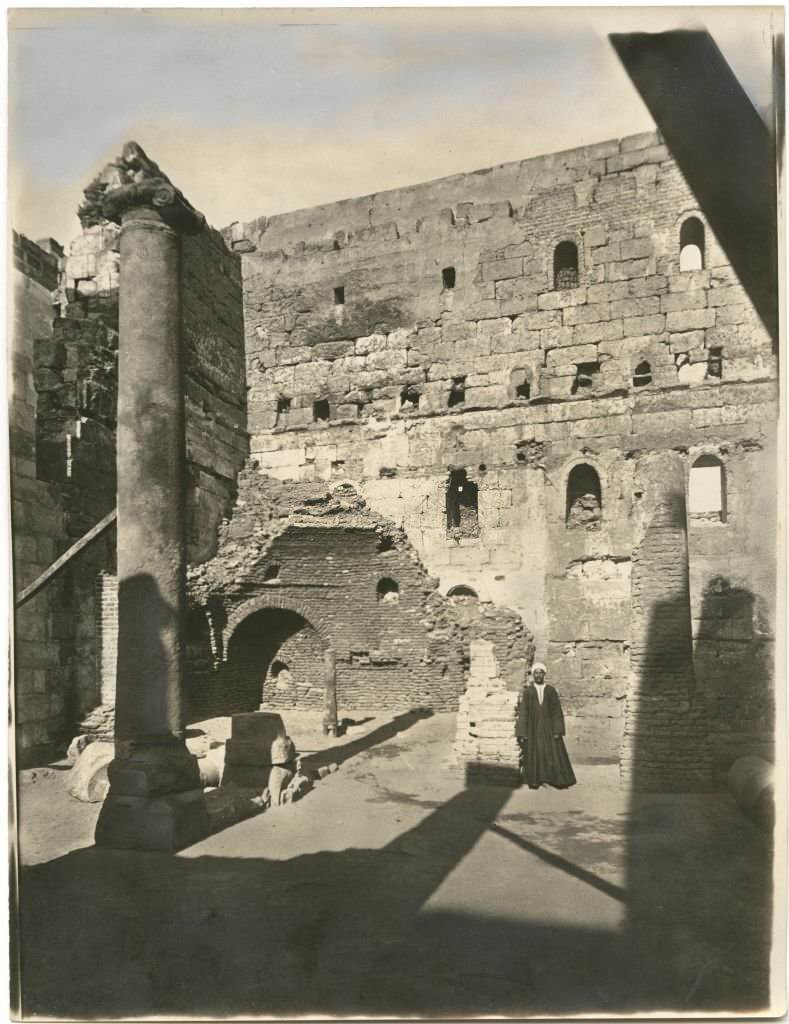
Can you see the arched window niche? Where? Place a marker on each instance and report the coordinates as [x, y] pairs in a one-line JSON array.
[[642, 375], [463, 593], [584, 505], [565, 266], [388, 591], [707, 490], [691, 245]]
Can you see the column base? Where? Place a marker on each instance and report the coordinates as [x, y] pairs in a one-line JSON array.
[[156, 799], [169, 822]]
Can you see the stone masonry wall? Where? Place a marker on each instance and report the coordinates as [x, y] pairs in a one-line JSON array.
[[76, 386], [214, 373], [40, 679], [63, 439], [368, 360], [215, 384]]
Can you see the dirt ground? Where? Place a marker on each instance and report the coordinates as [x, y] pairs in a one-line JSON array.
[[391, 889]]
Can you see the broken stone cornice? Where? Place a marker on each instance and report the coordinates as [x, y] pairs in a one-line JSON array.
[[133, 180]]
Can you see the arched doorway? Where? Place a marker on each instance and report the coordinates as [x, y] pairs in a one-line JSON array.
[[275, 659]]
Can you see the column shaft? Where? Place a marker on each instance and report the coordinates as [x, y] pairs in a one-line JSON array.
[[151, 567]]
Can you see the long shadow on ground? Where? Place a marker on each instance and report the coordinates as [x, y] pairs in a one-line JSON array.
[[342, 752], [108, 934]]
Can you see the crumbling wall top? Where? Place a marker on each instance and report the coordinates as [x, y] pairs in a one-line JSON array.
[[135, 180]]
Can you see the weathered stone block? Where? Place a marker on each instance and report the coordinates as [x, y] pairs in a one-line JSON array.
[[626, 269], [87, 780], [690, 320], [499, 270]]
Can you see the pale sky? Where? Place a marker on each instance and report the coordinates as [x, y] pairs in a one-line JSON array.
[[258, 111]]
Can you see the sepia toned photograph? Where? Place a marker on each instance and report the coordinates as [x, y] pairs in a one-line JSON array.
[[397, 503]]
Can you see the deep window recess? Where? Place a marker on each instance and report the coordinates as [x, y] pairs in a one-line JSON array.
[[462, 503], [409, 398], [715, 363], [642, 375], [691, 245], [585, 374], [584, 507], [448, 278], [707, 490], [320, 410], [457, 392], [565, 266], [519, 385], [339, 296], [283, 410], [388, 591]]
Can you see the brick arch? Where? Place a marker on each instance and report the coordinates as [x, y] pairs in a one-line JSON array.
[[275, 602]]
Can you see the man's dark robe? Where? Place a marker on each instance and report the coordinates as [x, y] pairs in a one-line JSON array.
[[545, 757]]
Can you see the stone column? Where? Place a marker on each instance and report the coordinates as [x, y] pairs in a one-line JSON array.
[[155, 799], [330, 693], [665, 747]]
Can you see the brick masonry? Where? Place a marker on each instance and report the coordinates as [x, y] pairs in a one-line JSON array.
[[305, 568], [486, 748], [665, 746]]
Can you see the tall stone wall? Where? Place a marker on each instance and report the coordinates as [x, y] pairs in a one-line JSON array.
[[76, 386], [301, 570], [37, 521], [213, 336], [214, 373], [399, 338], [63, 426]]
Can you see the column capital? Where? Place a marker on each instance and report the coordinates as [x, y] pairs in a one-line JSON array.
[[133, 180]]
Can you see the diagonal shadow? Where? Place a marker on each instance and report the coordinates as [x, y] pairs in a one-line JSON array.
[[701, 109], [341, 753], [218, 935], [557, 861]]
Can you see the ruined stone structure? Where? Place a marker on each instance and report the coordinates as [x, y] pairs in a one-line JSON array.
[[441, 397], [487, 356]]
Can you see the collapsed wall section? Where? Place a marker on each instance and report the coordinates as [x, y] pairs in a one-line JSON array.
[[302, 570]]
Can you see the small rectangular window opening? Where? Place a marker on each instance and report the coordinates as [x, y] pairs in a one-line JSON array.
[[448, 278], [715, 363], [585, 374], [519, 384], [457, 392], [409, 398], [283, 410], [462, 504], [339, 296], [320, 410]]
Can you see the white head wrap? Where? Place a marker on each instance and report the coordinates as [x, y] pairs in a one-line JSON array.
[[538, 665]]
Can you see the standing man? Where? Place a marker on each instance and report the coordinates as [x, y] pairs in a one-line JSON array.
[[544, 756]]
